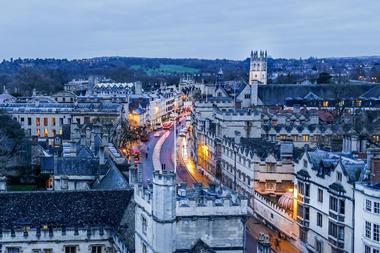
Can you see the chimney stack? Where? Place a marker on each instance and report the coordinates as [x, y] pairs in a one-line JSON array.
[[373, 163], [3, 183], [237, 138]]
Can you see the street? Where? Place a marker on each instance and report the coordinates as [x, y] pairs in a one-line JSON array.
[[186, 172]]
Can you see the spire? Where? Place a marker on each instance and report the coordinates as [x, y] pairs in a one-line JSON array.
[[251, 54]]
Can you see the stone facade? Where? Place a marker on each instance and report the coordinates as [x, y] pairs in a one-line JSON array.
[[172, 218]]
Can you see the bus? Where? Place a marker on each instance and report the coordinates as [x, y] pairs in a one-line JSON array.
[[167, 125]]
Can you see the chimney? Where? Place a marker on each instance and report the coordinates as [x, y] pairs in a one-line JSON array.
[[101, 155], [83, 139], [3, 183], [237, 138], [207, 125], [105, 139], [373, 163], [254, 90], [138, 88]]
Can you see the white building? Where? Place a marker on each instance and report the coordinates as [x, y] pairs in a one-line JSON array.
[[325, 201], [172, 218], [367, 207]]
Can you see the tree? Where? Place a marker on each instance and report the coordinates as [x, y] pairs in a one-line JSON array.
[[324, 77]]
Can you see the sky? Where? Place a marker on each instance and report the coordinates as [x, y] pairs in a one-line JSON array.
[[210, 29]]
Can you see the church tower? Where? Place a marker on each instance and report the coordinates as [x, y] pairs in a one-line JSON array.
[[258, 67]]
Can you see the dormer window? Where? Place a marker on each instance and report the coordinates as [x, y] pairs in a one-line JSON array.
[[339, 176]]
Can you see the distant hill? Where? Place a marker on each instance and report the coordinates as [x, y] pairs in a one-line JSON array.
[[21, 76]]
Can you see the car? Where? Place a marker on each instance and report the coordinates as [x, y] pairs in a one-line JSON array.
[[157, 134]]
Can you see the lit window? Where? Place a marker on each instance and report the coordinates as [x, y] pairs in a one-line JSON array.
[[38, 132], [325, 103], [38, 121], [46, 132], [46, 121], [305, 137], [48, 251]]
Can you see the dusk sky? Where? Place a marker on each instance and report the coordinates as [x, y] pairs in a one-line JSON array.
[[188, 28]]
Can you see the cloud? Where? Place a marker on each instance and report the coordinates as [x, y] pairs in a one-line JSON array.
[[188, 28]]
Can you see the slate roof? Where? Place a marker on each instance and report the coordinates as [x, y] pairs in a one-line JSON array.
[[276, 94], [63, 208], [201, 247], [113, 180]]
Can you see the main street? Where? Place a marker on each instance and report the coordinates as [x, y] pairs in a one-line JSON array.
[[187, 172]]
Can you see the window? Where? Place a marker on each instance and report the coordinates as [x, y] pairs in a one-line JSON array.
[[53, 121], [319, 219], [36, 251], [60, 121], [13, 250], [320, 195], [333, 229], [375, 251], [307, 190], [367, 249], [301, 188], [38, 122], [334, 204], [367, 229], [38, 132], [368, 205], [70, 249], [305, 137], [247, 96], [46, 133], [318, 246], [341, 206], [96, 249], [46, 121], [307, 213], [48, 251], [376, 232], [305, 163], [29, 121], [339, 176], [303, 235], [376, 207], [144, 224]]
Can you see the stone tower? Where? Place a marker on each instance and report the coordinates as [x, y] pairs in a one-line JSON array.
[[164, 211], [258, 67]]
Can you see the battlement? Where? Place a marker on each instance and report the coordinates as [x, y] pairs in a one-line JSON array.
[[276, 208], [237, 112], [167, 178]]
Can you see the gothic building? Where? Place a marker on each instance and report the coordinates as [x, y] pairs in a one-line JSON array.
[[258, 67]]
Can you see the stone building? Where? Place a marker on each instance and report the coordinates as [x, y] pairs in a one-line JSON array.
[[49, 222], [325, 200], [258, 67], [171, 218], [367, 206]]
